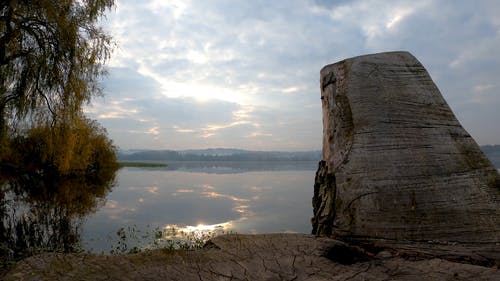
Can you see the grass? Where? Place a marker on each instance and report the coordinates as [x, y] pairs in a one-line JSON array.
[[142, 164]]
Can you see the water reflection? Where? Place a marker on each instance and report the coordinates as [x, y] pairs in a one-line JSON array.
[[248, 202], [45, 213]]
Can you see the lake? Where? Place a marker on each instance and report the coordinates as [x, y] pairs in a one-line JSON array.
[[192, 197], [147, 208]]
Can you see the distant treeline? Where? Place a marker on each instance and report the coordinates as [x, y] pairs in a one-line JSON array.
[[493, 152], [218, 155]]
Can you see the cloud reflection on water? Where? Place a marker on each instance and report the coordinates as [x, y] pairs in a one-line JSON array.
[[184, 190], [252, 202], [225, 196]]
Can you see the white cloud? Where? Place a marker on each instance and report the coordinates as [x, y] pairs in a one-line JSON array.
[[482, 88], [177, 7], [192, 74], [397, 16]]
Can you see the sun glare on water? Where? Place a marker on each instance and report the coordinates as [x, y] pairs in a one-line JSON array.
[[198, 232]]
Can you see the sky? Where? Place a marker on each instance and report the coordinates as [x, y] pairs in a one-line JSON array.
[[195, 74]]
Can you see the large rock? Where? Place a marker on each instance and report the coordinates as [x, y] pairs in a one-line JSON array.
[[396, 162], [261, 257]]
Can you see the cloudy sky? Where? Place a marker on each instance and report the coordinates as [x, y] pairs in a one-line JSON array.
[[245, 74]]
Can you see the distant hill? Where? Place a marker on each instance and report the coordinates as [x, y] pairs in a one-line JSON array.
[[213, 151], [227, 154], [217, 154], [493, 152]]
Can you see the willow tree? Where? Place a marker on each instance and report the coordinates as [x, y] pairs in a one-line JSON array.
[[51, 57]]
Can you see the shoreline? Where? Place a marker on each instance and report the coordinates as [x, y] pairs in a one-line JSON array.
[[276, 256]]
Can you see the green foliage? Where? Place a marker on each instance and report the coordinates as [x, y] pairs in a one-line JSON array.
[[75, 148], [52, 54]]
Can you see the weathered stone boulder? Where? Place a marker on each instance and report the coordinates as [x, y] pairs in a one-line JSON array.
[[396, 162]]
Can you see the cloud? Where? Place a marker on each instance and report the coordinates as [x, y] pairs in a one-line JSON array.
[[457, 42], [193, 74], [138, 115]]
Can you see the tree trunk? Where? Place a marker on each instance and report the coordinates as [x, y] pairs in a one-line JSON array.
[[402, 166]]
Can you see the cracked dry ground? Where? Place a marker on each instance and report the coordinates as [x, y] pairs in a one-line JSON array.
[[262, 257]]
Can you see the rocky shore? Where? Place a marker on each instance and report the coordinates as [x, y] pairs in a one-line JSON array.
[[274, 257]]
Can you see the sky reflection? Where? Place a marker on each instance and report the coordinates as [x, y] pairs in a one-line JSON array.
[[198, 232], [250, 202]]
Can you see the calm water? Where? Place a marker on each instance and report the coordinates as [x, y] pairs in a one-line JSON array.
[[241, 197], [40, 213]]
